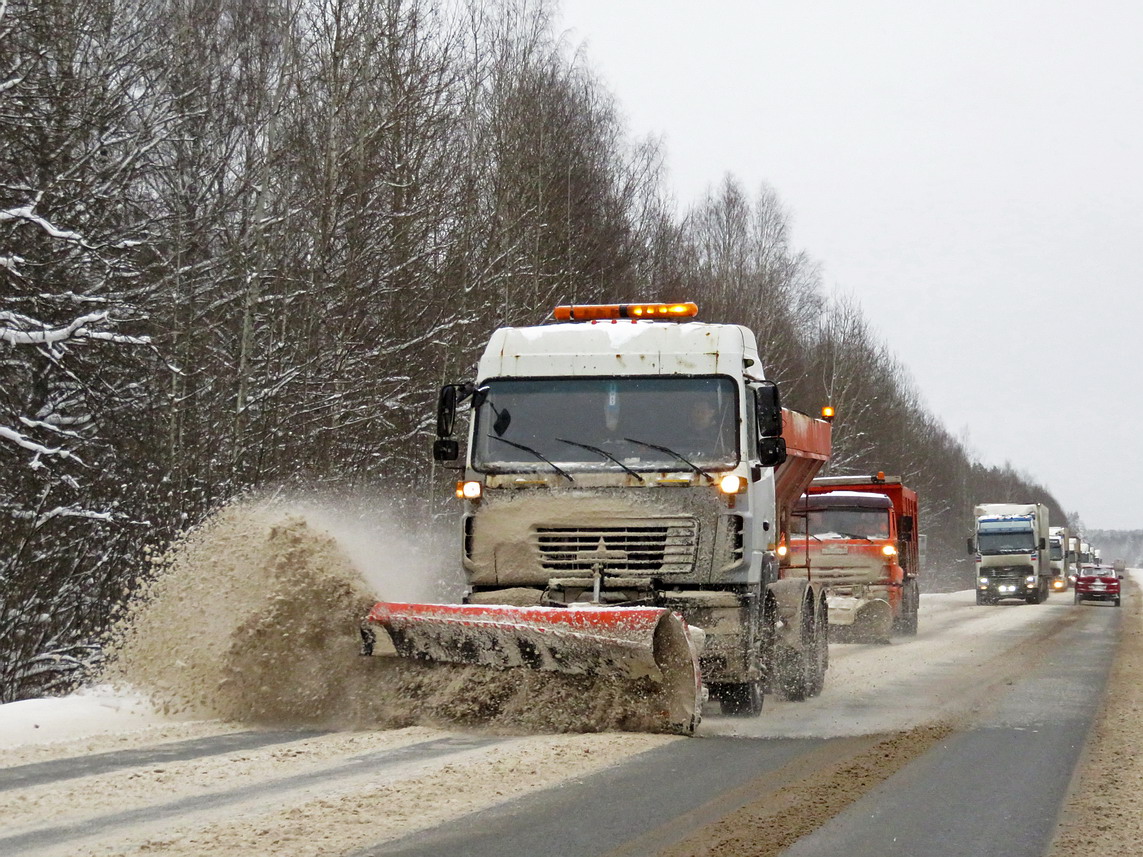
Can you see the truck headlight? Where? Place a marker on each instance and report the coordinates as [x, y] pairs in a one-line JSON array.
[[1031, 578], [983, 581], [468, 490], [731, 483], [889, 550]]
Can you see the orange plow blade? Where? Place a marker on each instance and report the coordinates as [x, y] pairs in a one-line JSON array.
[[635, 643]]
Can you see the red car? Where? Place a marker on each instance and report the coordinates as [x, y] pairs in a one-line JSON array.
[[1098, 583]]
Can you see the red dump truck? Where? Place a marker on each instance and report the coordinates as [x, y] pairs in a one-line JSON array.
[[858, 536]]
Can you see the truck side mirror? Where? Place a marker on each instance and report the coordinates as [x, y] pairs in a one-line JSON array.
[[971, 547], [768, 409], [1043, 544], [771, 451], [446, 412], [446, 449], [906, 527]]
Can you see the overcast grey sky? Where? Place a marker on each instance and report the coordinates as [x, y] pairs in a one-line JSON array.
[[971, 172]]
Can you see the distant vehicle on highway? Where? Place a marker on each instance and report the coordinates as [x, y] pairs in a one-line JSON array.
[[1098, 583]]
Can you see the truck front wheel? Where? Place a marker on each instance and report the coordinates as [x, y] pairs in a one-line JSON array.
[[906, 624], [741, 700]]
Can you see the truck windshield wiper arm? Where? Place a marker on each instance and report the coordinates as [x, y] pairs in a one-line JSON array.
[[602, 452], [672, 453], [538, 455]]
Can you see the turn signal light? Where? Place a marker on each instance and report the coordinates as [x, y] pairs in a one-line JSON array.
[[603, 312]]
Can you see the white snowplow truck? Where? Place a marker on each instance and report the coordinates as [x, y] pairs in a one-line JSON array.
[[629, 476], [1012, 555]]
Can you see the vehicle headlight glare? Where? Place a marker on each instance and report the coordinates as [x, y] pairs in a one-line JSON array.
[[731, 483], [469, 490]]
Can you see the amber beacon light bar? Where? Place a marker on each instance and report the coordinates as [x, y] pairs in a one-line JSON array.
[[599, 312]]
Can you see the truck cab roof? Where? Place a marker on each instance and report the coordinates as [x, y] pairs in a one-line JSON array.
[[621, 347]]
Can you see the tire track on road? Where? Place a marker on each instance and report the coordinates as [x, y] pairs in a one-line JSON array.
[[366, 765]]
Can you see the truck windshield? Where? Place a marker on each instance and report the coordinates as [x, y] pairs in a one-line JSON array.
[[606, 424], [840, 523], [1021, 541]]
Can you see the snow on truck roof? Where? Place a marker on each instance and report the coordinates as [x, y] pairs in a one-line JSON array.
[[621, 347], [832, 499]]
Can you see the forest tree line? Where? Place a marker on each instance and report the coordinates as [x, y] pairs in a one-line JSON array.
[[242, 244]]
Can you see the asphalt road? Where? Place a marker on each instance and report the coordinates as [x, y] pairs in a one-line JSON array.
[[1010, 695], [994, 787]]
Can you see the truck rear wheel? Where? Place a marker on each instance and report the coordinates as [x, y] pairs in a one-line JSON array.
[[821, 651], [801, 671]]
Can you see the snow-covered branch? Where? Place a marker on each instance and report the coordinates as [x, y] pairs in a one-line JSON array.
[[41, 518], [27, 213], [14, 329], [27, 443]]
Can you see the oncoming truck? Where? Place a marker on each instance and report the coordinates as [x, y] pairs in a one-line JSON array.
[[1060, 557], [858, 536], [629, 458], [1011, 549]]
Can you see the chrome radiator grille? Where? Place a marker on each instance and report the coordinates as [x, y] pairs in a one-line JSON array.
[[659, 546]]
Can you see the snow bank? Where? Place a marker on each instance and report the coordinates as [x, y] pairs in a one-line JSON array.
[[94, 711]]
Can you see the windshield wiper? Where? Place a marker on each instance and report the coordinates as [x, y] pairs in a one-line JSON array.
[[673, 454], [604, 453], [538, 455], [854, 536]]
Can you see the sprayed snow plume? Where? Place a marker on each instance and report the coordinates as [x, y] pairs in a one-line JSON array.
[[255, 615]]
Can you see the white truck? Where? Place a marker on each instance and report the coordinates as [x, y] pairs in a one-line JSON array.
[[1074, 543], [626, 457], [1060, 555], [1012, 553]]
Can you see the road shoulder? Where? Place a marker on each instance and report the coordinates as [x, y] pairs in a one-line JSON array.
[[1102, 814]]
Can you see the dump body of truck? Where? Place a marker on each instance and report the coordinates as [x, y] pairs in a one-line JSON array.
[[1011, 552], [859, 535], [625, 462]]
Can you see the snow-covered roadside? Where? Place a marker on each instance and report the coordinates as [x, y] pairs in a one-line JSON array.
[[92, 720], [1103, 814], [91, 711]]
